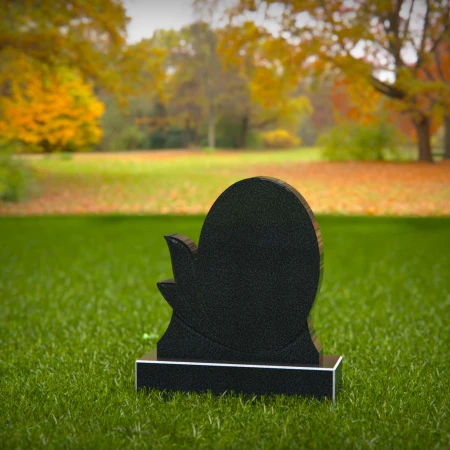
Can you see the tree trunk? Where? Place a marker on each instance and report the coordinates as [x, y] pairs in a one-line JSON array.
[[447, 137], [423, 137], [45, 144], [211, 128], [187, 133], [243, 133], [194, 136]]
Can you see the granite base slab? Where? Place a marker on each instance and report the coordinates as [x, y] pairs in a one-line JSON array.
[[253, 379]]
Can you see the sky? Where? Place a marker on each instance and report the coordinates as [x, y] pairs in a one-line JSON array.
[[149, 15]]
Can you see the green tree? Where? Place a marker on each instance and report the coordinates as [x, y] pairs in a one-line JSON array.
[[196, 80]]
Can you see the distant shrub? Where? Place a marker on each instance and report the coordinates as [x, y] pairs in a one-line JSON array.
[[280, 139], [437, 140], [175, 138], [228, 132], [157, 139], [254, 140], [131, 138], [17, 180], [354, 141]]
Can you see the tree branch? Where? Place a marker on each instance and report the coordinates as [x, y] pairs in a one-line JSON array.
[[386, 89], [444, 32], [394, 41], [406, 27], [424, 34], [428, 74], [265, 123]]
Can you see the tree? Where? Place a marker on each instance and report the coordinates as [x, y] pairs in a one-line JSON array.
[[62, 45], [368, 40], [261, 91], [200, 84], [353, 101], [143, 68], [436, 73], [201, 46], [86, 35], [322, 117], [185, 86], [50, 110]]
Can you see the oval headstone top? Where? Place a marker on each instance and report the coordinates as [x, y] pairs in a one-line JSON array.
[[253, 280]]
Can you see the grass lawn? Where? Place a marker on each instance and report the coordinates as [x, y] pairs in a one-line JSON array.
[[78, 293], [188, 182]]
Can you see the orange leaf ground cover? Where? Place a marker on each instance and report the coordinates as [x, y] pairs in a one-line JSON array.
[[371, 188], [184, 183]]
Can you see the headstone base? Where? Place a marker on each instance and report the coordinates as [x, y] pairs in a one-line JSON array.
[[319, 382]]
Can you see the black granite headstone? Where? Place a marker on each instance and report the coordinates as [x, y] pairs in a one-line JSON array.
[[242, 300]]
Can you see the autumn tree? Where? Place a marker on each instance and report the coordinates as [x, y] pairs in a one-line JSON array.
[[369, 40], [182, 82], [442, 61], [352, 101], [136, 111], [262, 92], [197, 77], [48, 52], [50, 110], [172, 88], [435, 73], [321, 118], [85, 35], [194, 82]]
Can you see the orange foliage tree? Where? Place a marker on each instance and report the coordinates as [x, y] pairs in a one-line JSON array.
[[367, 39], [50, 111], [352, 101], [435, 73]]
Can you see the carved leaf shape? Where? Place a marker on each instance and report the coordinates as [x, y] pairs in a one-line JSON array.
[[182, 293], [179, 303]]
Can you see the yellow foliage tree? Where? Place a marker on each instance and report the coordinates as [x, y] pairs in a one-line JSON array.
[[50, 111], [264, 65], [87, 35]]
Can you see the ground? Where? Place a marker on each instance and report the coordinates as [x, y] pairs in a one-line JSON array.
[[78, 294], [189, 182]]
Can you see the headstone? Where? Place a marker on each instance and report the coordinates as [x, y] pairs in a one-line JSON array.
[[242, 300]]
